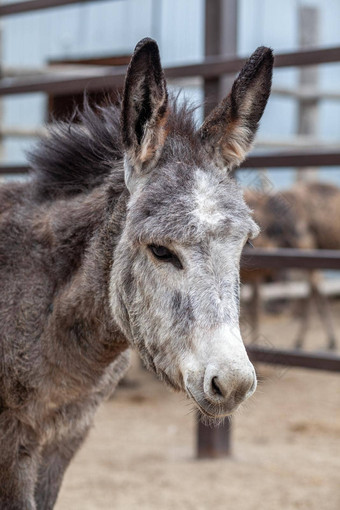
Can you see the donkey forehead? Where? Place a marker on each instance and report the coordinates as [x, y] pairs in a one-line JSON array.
[[187, 205]]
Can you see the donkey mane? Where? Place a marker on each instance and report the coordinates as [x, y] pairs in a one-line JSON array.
[[78, 155]]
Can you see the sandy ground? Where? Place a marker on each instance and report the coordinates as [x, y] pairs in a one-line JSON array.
[[286, 445]]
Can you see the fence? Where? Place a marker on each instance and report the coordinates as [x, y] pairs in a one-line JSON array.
[[211, 442]]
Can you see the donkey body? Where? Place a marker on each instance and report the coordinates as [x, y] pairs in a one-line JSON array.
[[296, 218], [128, 234]]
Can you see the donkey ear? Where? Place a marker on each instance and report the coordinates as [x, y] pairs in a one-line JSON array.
[[144, 109], [229, 130]]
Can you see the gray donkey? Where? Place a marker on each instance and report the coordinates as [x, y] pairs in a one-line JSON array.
[[129, 234]]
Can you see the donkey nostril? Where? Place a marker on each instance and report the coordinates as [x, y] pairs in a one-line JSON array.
[[243, 390], [215, 387]]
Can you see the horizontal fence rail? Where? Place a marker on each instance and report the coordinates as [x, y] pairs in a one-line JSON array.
[[14, 169], [287, 159], [36, 5], [293, 358], [270, 160], [113, 77], [260, 258]]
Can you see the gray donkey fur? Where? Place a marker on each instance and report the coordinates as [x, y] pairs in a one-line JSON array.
[[129, 233]]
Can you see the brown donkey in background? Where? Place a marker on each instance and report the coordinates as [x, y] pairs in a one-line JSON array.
[[129, 233], [303, 217]]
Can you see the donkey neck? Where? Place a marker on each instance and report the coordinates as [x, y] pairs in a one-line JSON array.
[[84, 232]]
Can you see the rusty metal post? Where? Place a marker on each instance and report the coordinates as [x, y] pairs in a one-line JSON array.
[[220, 39], [215, 442], [308, 109]]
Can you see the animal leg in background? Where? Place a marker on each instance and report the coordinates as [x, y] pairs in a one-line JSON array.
[[304, 321], [254, 307], [322, 305]]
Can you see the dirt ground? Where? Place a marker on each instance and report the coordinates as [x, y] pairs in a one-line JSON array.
[[286, 445]]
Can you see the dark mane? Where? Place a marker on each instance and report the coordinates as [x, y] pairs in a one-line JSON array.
[[75, 157]]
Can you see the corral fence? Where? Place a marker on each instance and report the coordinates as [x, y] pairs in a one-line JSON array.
[[221, 18]]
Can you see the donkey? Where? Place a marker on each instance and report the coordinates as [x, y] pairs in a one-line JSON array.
[[296, 218], [129, 234]]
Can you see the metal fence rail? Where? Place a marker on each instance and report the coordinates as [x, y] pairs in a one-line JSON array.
[[270, 160], [35, 5], [112, 77], [293, 358], [260, 258], [301, 159]]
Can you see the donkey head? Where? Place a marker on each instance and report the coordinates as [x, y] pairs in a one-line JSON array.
[[174, 287]]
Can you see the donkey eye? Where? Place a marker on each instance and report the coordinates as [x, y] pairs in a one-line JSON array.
[[162, 253]]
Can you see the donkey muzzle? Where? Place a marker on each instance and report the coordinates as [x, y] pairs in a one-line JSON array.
[[222, 377], [230, 387], [222, 392]]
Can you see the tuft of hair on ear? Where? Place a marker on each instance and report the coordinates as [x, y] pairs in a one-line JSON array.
[[144, 106], [229, 130]]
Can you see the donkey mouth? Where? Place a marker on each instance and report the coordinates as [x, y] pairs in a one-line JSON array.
[[205, 407]]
